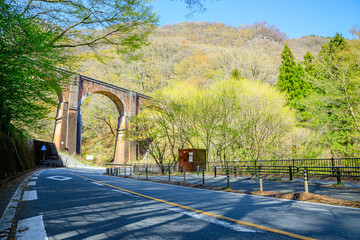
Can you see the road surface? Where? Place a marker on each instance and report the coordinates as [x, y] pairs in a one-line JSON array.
[[84, 204]]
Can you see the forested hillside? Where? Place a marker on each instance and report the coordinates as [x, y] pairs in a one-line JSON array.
[[199, 51], [197, 54]]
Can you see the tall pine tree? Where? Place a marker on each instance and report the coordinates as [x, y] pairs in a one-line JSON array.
[[291, 77]]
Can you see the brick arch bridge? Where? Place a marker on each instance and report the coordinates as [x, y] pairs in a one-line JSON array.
[[67, 132]]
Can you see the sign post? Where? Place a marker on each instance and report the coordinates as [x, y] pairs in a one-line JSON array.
[[44, 150]]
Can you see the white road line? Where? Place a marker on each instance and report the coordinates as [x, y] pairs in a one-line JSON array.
[[31, 183], [34, 178], [99, 184], [7, 217], [9, 213], [31, 228], [59, 178], [232, 226], [30, 195], [125, 193]]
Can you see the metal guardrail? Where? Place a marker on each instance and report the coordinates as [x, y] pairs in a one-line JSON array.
[[261, 170], [323, 162], [299, 168], [253, 168]]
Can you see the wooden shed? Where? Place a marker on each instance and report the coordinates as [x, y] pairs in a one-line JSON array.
[[191, 158]]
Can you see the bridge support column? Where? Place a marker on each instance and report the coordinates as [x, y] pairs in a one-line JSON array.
[[72, 118], [121, 154], [66, 124], [61, 126]]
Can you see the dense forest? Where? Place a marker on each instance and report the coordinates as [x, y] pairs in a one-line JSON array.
[[243, 93]]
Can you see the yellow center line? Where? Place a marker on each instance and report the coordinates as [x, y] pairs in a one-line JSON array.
[[293, 235]]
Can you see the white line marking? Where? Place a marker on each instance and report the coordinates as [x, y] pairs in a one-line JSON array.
[[99, 184], [59, 178], [30, 195], [34, 178], [31, 228], [32, 183], [232, 226], [9, 213], [125, 193]]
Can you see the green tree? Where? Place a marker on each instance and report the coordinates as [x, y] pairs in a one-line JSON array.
[[245, 121], [287, 72], [28, 79], [335, 103], [291, 79], [34, 36], [308, 63], [92, 23]]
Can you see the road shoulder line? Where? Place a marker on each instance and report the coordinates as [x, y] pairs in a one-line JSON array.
[[10, 211]]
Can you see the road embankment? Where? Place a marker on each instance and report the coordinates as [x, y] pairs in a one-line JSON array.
[[17, 156]]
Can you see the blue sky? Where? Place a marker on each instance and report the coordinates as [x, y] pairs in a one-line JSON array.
[[296, 18]]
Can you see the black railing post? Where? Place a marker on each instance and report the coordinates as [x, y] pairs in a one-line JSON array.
[[234, 171], [290, 172], [169, 174], [214, 171], [338, 177], [332, 165], [184, 175], [227, 177], [147, 173], [203, 176]]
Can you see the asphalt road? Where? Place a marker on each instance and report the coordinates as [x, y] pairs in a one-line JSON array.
[[83, 204]]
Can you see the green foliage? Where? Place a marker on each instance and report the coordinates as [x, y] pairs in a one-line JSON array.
[[231, 119], [124, 24], [99, 119], [287, 72], [36, 36], [235, 73], [335, 103], [29, 81], [291, 77], [325, 91], [308, 63]]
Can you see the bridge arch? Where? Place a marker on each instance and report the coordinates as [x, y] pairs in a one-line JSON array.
[[119, 104], [67, 133]]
